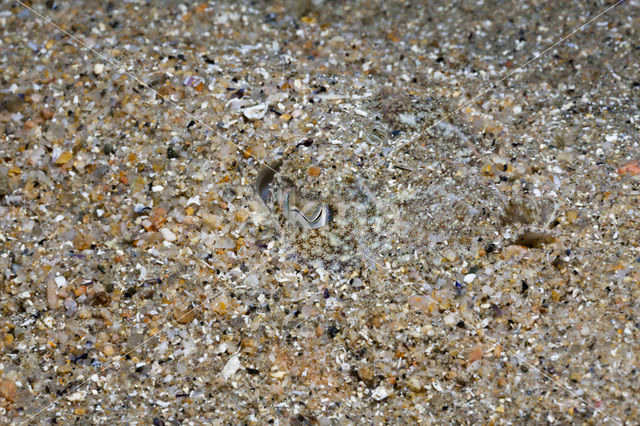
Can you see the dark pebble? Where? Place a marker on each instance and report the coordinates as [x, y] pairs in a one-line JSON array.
[[333, 331], [102, 298], [130, 292], [81, 357], [108, 149], [171, 153], [12, 103], [306, 142], [459, 288]]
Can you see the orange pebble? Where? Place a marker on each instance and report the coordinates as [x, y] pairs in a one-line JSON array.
[[476, 353], [631, 167], [314, 171], [47, 114]]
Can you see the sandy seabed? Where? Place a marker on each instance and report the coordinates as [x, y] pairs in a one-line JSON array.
[[480, 160]]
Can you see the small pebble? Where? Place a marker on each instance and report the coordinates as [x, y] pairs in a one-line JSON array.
[[134, 341], [168, 235], [252, 281], [450, 319], [101, 298], [333, 331], [12, 103], [418, 302], [414, 384], [172, 153], [71, 306], [632, 168], [77, 396], [184, 316], [61, 281], [108, 149], [314, 171], [64, 158], [380, 393], [476, 353], [46, 113], [8, 390], [98, 69], [108, 350], [450, 255], [365, 374]]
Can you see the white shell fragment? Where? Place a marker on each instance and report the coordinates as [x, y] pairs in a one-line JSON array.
[[77, 396], [60, 281], [167, 234], [98, 69], [256, 112], [380, 393], [230, 368]]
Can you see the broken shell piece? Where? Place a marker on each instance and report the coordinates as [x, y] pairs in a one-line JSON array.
[[320, 217], [256, 112]]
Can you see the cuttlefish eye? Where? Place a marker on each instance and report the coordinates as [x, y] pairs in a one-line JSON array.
[[319, 218], [263, 181]]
